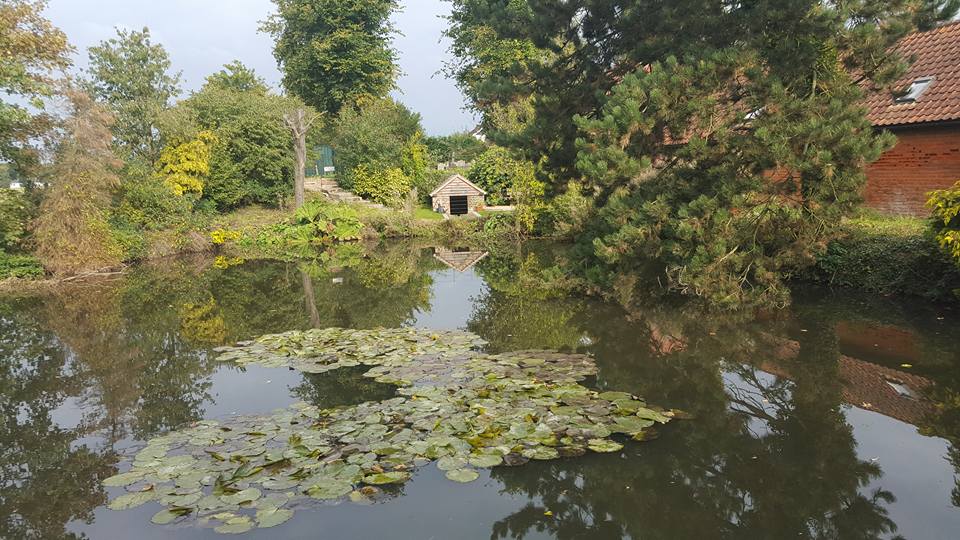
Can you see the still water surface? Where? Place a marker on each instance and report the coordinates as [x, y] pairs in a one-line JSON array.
[[837, 419]]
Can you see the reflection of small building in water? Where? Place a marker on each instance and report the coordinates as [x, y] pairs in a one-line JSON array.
[[459, 259]]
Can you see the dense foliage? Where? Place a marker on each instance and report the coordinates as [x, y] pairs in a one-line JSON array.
[[150, 203], [16, 212], [32, 50], [251, 160], [334, 52], [457, 147], [131, 75], [185, 166], [314, 224], [726, 152], [385, 186], [495, 171], [945, 204], [19, 266], [379, 135], [881, 256]]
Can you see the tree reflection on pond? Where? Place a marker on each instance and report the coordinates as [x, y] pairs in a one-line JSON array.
[[91, 369]]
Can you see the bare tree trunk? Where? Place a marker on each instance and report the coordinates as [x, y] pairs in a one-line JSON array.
[[298, 124]]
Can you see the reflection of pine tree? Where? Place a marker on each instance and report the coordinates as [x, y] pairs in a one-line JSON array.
[[764, 458]]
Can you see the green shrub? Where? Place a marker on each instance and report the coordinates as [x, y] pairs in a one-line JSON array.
[[19, 266], [317, 223], [456, 147], [565, 215], [251, 160], [391, 224], [150, 204], [413, 159], [386, 186], [945, 205], [379, 134], [873, 258], [16, 212], [336, 221], [130, 241], [500, 222], [495, 171]]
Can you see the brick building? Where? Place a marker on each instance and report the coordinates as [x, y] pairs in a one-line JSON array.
[[926, 120]]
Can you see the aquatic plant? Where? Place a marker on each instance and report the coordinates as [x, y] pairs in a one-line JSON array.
[[463, 408]]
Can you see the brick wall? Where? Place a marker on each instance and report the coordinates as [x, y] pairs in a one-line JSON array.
[[925, 159]]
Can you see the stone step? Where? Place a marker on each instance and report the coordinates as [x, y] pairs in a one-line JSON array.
[[336, 193]]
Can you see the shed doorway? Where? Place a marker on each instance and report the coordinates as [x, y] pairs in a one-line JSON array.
[[459, 205]]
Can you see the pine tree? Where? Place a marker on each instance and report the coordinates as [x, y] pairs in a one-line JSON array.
[[723, 141]]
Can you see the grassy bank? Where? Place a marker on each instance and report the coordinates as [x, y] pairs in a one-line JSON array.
[[888, 255], [259, 233]]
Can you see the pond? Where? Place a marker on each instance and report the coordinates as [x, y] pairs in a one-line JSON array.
[[838, 418]]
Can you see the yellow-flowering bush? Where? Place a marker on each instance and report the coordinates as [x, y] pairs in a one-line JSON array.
[[945, 204], [222, 236], [184, 167]]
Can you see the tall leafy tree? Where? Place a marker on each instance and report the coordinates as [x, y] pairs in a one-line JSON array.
[[32, 51], [131, 74], [333, 52], [722, 140]]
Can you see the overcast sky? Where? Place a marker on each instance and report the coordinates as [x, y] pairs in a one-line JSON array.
[[202, 35]]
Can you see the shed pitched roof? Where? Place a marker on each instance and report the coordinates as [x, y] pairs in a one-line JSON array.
[[936, 54], [457, 178]]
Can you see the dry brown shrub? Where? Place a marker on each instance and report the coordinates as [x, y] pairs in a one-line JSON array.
[[72, 233]]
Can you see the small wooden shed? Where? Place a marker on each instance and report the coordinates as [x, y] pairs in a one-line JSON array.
[[457, 196]]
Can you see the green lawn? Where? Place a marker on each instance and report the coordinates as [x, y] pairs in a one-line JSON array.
[[426, 213], [869, 222]]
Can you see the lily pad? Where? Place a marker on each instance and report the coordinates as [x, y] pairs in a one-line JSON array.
[[271, 517], [463, 475], [237, 525], [241, 497], [604, 445], [124, 479], [169, 515], [485, 460], [386, 478], [454, 404], [333, 489], [132, 500]]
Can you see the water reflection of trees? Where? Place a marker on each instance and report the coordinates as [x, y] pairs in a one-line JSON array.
[[767, 457], [46, 479]]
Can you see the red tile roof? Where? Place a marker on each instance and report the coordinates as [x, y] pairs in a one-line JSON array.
[[936, 54]]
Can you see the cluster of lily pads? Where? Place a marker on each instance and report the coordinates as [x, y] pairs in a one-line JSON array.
[[462, 408]]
